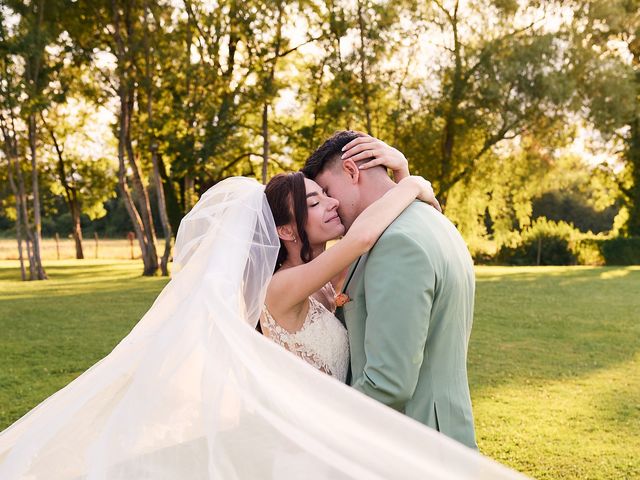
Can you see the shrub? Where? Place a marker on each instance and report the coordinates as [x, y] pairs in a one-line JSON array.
[[482, 250], [574, 207], [545, 242], [558, 243], [621, 251], [588, 250]]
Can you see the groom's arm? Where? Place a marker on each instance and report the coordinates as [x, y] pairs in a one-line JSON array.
[[399, 284]]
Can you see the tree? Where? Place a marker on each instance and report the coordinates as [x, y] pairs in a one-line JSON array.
[[348, 80], [115, 28], [80, 164], [611, 84], [492, 79], [27, 72], [151, 31]]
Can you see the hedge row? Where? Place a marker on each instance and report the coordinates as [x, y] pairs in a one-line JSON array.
[[559, 243]]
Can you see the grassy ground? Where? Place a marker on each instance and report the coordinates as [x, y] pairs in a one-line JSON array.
[[554, 360]]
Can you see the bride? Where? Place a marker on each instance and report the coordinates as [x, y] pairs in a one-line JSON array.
[[193, 392], [299, 306]]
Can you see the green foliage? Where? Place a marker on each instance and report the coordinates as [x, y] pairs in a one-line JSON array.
[[621, 251], [588, 250], [573, 208], [560, 243], [545, 242], [482, 100], [610, 79]]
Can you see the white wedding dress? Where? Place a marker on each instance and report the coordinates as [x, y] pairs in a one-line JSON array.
[[194, 392], [322, 340]]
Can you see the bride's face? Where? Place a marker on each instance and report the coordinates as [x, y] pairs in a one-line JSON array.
[[323, 221]]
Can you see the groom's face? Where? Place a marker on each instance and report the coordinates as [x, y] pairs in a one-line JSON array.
[[341, 186]]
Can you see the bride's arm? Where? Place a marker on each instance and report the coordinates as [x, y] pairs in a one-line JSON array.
[[292, 286]]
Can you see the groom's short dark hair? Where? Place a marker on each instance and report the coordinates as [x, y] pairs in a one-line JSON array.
[[328, 153]]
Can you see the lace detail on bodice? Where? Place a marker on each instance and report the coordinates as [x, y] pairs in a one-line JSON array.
[[321, 341]]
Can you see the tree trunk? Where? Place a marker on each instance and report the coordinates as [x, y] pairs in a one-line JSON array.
[[363, 72], [265, 142], [269, 94], [164, 217], [33, 61], [141, 192], [76, 231], [71, 193], [633, 193], [153, 147], [25, 218], [174, 209], [142, 223], [37, 221], [188, 192], [150, 267], [14, 189], [11, 152], [450, 131], [144, 204]]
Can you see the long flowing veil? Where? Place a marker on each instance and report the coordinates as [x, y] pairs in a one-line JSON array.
[[194, 392]]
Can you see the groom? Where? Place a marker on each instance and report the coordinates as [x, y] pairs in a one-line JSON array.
[[410, 304]]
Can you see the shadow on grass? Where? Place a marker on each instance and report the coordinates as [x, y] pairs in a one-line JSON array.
[[77, 279], [582, 273], [533, 325], [78, 271]]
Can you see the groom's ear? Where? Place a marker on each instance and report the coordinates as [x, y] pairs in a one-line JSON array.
[[351, 169]]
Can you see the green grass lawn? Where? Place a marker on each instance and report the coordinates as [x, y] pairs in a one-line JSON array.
[[554, 360]]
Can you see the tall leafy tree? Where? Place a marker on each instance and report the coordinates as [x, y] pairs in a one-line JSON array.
[[491, 79], [607, 47], [28, 48], [81, 167]]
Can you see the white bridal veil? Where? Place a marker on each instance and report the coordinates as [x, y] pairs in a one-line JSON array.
[[194, 392]]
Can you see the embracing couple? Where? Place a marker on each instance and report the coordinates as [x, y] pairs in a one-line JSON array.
[[194, 392], [405, 274]]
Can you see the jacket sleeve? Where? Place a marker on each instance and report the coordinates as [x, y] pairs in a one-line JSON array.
[[399, 284]]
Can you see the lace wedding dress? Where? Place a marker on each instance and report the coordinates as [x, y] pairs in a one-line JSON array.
[[321, 341]]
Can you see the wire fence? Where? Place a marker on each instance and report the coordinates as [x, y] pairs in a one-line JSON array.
[[93, 247]]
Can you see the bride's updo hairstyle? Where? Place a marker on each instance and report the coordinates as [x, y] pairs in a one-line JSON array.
[[287, 197]]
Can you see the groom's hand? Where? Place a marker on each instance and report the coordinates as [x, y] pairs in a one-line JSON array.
[[378, 153]]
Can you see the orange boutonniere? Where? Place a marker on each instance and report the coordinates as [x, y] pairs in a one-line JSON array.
[[341, 299]]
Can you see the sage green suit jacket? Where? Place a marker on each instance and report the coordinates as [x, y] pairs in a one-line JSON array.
[[409, 319]]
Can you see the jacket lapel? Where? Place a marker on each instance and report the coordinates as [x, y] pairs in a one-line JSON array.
[[357, 266], [350, 273]]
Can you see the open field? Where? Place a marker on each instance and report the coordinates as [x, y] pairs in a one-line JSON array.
[[554, 359], [104, 248]]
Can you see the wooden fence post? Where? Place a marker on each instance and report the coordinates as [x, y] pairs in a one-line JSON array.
[[539, 258], [95, 237], [57, 237], [130, 237]]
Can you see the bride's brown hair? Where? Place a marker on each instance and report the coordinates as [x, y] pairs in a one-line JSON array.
[[287, 197]]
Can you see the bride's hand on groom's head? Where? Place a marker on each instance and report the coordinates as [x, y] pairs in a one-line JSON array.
[[377, 153]]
